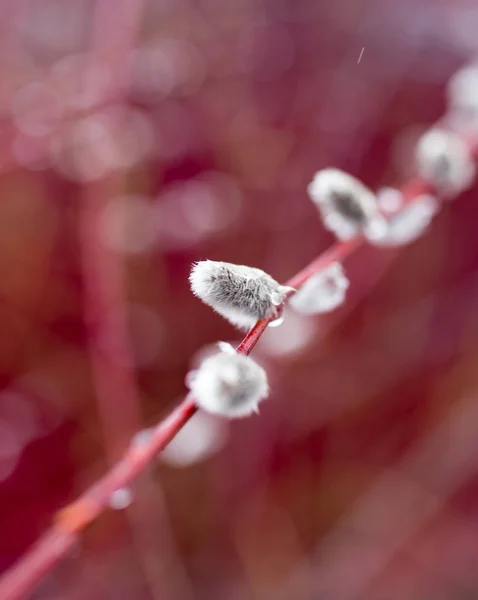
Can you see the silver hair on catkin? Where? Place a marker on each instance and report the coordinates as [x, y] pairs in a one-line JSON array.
[[241, 294], [229, 384], [347, 207]]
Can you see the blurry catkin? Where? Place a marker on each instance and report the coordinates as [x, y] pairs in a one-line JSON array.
[[229, 384], [411, 222], [322, 292], [347, 207], [445, 161], [241, 294]]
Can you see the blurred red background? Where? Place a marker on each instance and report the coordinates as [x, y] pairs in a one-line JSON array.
[[140, 136]]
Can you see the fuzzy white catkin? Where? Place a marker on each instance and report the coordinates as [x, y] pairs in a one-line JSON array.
[[347, 207], [411, 222], [322, 292], [230, 385], [241, 294], [444, 160]]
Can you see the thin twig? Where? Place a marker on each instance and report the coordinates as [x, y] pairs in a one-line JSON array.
[[55, 543]]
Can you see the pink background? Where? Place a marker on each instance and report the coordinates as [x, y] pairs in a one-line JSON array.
[[358, 481]]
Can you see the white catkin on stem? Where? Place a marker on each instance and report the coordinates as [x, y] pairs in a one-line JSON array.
[[445, 160], [322, 292], [230, 385], [411, 222], [240, 294], [347, 207]]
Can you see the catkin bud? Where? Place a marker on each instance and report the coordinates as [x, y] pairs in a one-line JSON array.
[[230, 385], [322, 292], [242, 295], [411, 222], [347, 207], [444, 160]]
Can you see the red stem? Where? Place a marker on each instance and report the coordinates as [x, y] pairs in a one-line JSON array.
[[36, 562], [55, 543], [336, 253], [70, 521]]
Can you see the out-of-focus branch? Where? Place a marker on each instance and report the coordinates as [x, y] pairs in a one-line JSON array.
[[105, 307]]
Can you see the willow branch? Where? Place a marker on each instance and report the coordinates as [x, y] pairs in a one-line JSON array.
[[69, 522]]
